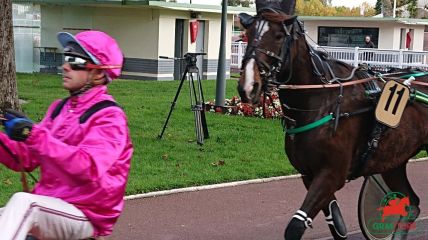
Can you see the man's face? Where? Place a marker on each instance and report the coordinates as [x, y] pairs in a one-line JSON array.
[[74, 80], [367, 39]]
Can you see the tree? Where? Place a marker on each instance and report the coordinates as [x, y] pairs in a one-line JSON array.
[[326, 2], [8, 88], [317, 8], [243, 3], [378, 7], [387, 8], [412, 8], [368, 9]]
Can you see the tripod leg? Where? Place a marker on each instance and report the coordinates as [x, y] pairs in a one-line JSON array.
[[196, 108], [174, 102], [202, 99]]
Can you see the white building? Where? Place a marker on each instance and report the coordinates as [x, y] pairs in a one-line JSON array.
[[145, 30]]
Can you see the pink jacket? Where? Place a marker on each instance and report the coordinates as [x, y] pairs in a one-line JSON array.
[[84, 164]]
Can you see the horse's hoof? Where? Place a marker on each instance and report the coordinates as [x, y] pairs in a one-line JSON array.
[[295, 230]]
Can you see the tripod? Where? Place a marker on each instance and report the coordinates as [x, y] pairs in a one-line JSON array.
[[197, 102]]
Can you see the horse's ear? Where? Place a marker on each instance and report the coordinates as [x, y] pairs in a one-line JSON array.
[[246, 20], [263, 5], [288, 6], [260, 4]]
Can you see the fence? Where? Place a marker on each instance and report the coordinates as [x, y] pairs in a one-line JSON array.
[[378, 58]]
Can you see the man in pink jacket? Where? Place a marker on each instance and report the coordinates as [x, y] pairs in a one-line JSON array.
[[82, 147]]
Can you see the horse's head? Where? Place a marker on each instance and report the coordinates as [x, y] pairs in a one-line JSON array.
[[270, 34]]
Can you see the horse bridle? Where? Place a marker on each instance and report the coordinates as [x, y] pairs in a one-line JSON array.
[[293, 30]]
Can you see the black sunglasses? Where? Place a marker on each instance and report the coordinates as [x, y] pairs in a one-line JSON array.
[[76, 63]]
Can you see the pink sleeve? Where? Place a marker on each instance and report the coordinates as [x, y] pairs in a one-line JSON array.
[[106, 138], [11, 151]]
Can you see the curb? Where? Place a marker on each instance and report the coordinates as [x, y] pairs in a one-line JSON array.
[[224, 185]]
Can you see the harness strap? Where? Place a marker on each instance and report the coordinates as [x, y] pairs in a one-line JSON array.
[[88, 113], [372, 144], [310, 126], [95, 108], [58, 108], [318, 86], [420, 74]]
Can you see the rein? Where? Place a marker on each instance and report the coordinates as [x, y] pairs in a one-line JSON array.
[[350, 83], [321, 86]]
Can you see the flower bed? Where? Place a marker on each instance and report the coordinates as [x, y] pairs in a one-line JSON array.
[[234, 106]]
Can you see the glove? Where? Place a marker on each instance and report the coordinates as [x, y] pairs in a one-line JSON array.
[[17, 125]]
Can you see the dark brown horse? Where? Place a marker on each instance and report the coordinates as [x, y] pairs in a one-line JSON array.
[[349, 143]]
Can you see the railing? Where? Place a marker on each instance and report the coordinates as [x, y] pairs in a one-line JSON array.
[[238, 51], [374, 57]]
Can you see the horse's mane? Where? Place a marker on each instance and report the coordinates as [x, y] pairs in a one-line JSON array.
[[324, 56]]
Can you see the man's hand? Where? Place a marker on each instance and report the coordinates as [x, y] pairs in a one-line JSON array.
[[17, 125]]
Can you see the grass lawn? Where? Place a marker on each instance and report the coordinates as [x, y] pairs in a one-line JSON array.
[[249, 147]]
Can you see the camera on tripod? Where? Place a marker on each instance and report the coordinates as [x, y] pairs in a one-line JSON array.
[[197, 104], [191, 58]]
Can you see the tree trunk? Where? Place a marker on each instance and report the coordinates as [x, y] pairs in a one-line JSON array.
[[387, 8], [8, 88]]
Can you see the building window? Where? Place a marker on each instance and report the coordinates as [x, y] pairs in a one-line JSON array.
[[346, 36]]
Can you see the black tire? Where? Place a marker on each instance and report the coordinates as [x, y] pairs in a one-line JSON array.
[[372, 192]]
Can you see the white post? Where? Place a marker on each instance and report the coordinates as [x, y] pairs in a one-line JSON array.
[[400, 59], [394, 8], [240, 54], [356, 56]]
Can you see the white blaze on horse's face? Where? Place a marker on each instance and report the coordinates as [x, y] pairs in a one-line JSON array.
[[249, 68]]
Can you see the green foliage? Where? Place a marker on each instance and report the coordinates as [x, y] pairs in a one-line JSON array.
[[320, 8], [239, 148], [378, 7], [411, 7], [242, 3]]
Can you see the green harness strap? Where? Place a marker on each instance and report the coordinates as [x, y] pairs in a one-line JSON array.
[[420, 74], [310, 126]]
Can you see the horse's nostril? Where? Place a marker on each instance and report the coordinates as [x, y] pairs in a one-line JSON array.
[[242, 94], [240, 89], [254, 91]]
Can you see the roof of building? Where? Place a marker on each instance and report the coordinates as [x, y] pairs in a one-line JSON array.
[[407, 21], [159, 4], [162, 4]]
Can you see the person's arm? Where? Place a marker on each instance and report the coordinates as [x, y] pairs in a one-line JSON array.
[[13, 152], [105, 140]]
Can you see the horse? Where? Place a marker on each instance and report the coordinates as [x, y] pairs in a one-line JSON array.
[[332, 135]]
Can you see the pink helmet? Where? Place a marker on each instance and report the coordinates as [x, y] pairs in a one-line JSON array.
[[102, 49]]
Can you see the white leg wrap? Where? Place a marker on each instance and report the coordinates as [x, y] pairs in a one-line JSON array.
[[302, 216]]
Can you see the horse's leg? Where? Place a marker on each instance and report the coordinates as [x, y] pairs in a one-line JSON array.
[[397, 181], [332, 214], [320, 193]]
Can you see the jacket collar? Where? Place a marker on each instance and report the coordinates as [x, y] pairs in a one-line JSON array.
[[89, 95]]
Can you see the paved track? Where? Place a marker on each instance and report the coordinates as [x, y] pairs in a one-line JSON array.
[[250, 212]]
